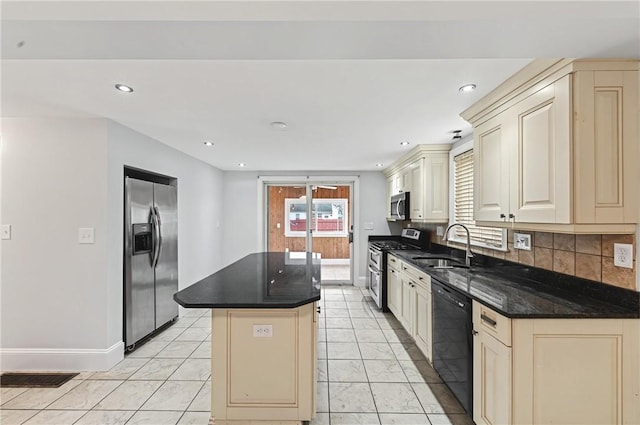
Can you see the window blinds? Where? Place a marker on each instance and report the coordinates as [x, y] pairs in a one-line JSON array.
[[463, 205]]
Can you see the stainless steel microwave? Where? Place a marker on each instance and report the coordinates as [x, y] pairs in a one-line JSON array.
[[399, 208]]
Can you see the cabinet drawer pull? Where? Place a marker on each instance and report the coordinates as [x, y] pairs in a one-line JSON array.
[[392, 260], [489, 320], [420, 278]]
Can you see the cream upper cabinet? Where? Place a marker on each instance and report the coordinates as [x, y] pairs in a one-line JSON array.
[[540, 174], [492, 160], [606, 146], [402, 181], [555, 371], [555, 148], [417, 189], [521, 160], [424, 173]]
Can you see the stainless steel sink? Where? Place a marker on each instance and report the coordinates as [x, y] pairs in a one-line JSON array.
[[438, 263]]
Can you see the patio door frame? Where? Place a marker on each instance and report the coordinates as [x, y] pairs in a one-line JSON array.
[[263, 209]]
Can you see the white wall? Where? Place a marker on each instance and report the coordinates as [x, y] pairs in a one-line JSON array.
[[61, 302], [241, 231], [53, 289], [199, 211]]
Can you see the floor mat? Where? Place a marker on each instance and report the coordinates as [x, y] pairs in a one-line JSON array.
[[34, 380]]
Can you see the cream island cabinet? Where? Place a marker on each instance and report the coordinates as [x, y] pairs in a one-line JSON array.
[[424, 173], [556, 146], [264, 338], [554, 371]]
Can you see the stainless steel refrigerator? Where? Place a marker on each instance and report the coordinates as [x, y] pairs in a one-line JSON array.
[[150, 258]]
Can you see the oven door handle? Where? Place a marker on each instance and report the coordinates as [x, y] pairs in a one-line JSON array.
[[374, 271], [398, 209]]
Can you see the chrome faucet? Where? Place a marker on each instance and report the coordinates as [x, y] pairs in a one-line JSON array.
[[469, 254]]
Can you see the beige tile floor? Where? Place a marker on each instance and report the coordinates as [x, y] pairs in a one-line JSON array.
[[335, 273], [369, 372]]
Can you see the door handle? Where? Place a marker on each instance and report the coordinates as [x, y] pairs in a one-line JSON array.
[[159, 222]]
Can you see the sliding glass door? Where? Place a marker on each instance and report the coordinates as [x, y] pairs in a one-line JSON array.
[[313, 217]]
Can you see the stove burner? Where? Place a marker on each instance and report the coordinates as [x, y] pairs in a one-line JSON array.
[[394, 245]]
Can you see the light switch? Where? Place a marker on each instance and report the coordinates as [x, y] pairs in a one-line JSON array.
[[277, 225], [6, 232], [368, 225], [85, 235]]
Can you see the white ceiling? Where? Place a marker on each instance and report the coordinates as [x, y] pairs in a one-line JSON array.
[[351, 79]]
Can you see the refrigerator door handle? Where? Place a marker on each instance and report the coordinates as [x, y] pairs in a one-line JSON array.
[[159, 233], [154, 223]]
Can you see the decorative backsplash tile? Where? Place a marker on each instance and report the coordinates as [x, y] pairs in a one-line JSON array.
[[586, 256]]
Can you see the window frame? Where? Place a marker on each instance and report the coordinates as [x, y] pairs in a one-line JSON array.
[[462, 147], [316, 233]]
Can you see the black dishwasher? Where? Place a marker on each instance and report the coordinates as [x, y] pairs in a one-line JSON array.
[[453, 342]]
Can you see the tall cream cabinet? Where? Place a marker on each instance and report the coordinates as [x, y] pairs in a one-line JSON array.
[[424, 173], [556, 146], [555, 371]]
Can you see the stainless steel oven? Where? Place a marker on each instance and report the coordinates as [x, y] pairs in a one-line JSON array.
[[375, 274], [379, 246]]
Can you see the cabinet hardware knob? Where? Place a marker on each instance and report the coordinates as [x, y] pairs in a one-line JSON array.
[[474, 332], [318, 309], [512, 216], [503, 216]]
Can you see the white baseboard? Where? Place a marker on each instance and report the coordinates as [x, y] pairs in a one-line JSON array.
[[60, 359]]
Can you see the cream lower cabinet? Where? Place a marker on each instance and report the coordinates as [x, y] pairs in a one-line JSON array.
[[264, 379], [394, 286], [422, 329], [407, 311], [555, 371], [414, 307]]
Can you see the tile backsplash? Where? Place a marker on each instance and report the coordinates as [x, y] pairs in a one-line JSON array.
[[586, 256]]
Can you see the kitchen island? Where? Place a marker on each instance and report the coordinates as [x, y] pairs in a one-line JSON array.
[[264, 335]]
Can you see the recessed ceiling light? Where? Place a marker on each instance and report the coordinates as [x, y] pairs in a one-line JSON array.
[[379, 164], [242, 164], [208, 143], [467, 88], [278, 125], [124, 88], [404, 143]]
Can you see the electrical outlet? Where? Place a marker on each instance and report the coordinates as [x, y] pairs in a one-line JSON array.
[[623, 255], [86, 235], [263, 331], [522, 241], [439, 230], [368, 225]]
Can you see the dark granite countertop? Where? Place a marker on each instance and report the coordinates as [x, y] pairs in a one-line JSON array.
[[518, 291], [260, 280]]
